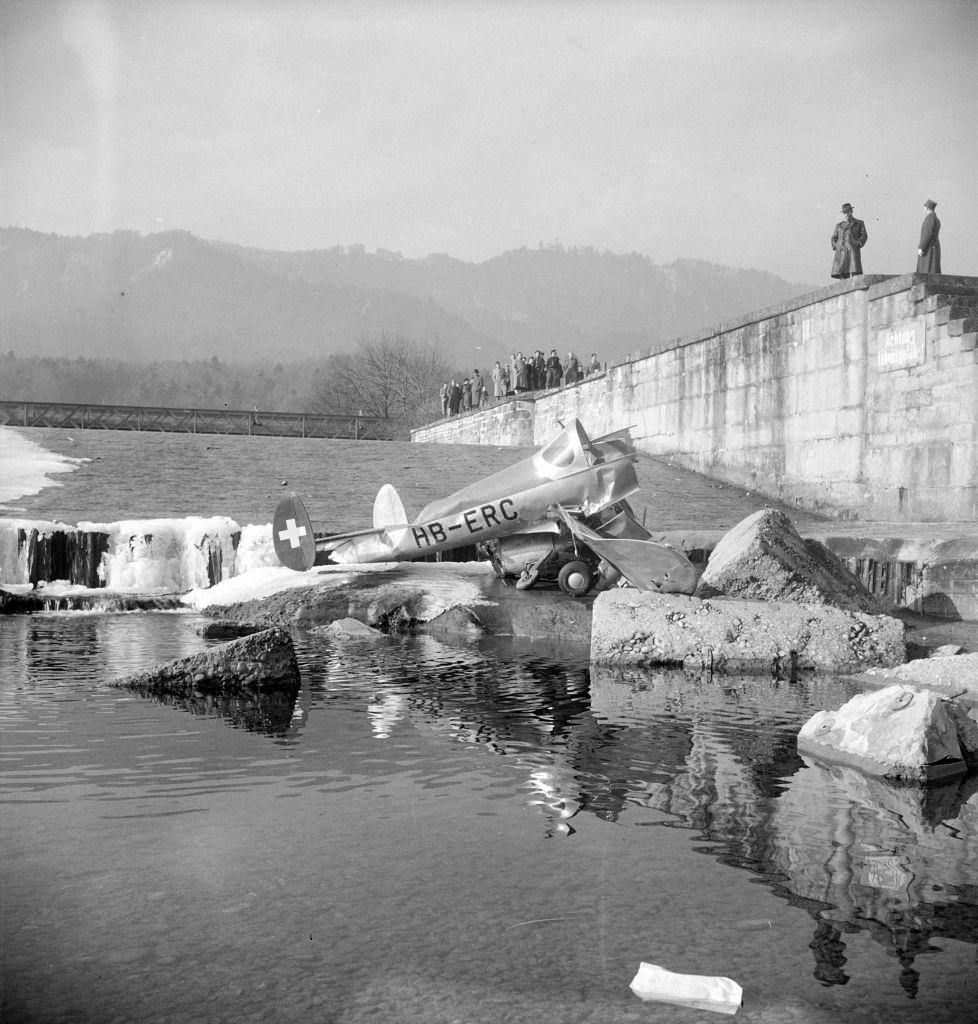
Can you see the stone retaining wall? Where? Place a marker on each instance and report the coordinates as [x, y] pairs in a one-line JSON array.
[[858, 401]]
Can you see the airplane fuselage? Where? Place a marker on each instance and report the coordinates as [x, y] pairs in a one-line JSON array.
[[590, 487]]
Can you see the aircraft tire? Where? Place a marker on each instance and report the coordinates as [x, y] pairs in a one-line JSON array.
[[575, 579]]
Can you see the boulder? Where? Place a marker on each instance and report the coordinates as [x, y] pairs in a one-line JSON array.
[[946, 651], [257, 663], [728, 635], [228, 629], [348, 629], [763, 558], [951, 676], [898, 733], [18, 604]]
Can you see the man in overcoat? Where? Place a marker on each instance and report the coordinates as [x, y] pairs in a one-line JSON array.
[[454, 398], [929, 250], [539, 369], [498, 382], [847, 240]]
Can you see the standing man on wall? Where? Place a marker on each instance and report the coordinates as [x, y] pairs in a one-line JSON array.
[[929, 250], [454, 398], [847, 240], [498, 382]]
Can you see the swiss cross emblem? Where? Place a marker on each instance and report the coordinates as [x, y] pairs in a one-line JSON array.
[[292, 533]]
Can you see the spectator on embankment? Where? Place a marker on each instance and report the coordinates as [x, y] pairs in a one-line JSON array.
[[498, 382], [929, 249], [572, 371], [454, 398]]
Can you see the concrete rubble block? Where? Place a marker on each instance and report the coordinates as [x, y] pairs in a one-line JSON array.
[[763, 558], [899, 733], [729, 635], [950, 676], [258, 663]]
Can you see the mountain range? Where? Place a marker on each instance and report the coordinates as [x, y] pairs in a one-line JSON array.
[[175, 296]]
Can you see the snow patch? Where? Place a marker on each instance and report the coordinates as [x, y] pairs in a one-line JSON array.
[[26, 468], [267, 580]]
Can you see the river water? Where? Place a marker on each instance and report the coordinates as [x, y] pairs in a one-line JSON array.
[[485, 831]]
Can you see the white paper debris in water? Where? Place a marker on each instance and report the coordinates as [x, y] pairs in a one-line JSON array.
[[696, 991]]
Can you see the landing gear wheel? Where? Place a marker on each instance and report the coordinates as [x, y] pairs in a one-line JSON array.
[[575, 579]]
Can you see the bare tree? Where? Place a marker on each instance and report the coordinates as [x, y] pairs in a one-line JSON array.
[[392, 377]]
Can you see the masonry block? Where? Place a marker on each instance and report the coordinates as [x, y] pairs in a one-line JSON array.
[[963, 325]]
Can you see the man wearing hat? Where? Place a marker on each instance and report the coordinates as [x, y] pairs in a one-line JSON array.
[[847, 240], [929, 250]]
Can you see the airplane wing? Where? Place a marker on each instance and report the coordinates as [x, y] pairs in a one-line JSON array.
[[645, 564]]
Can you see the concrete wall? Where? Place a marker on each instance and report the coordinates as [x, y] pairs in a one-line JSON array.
[[859, 400]]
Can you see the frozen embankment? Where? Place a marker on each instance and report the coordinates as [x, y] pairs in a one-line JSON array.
[[145, 556], [26, 468], [139, 556]]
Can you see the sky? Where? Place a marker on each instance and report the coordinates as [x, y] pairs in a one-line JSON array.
[[723, 131]]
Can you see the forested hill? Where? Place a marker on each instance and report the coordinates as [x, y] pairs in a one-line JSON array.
[[174, 296]]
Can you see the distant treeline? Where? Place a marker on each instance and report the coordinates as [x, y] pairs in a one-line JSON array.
[[198, 384], [390, 377]]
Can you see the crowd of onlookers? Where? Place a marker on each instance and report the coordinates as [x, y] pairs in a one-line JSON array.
[[518, 376]]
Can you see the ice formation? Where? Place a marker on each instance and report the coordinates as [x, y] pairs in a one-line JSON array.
[[141, 555], [146, 556], [15, 549], [166, 554]]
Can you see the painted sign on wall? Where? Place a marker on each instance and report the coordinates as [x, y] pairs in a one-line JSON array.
[[899, 347]]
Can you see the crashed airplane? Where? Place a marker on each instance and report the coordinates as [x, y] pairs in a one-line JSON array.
[[560, 515]]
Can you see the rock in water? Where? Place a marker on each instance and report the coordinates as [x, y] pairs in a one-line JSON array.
[[897, 732], [260, 662], [955, 676], [727, 635], [764, 559], [348, 629], [227, 629]]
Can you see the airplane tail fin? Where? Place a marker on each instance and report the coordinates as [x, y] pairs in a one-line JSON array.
[[388, 508], [292, 536]]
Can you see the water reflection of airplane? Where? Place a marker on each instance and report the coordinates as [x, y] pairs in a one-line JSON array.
[[561, 514], [523, 711], [897, 862]]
